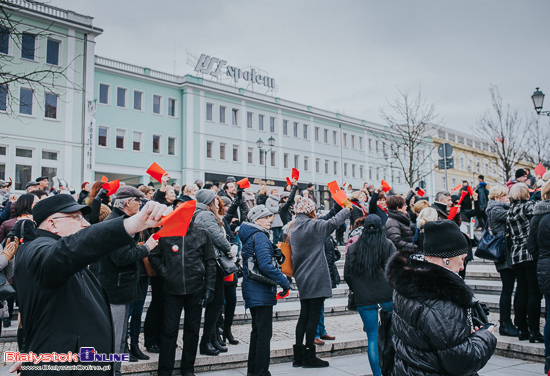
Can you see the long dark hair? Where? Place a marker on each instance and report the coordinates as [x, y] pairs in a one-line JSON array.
[[371, 252], [23, 205]]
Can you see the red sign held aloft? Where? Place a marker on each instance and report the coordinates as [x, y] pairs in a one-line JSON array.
[[295, 174], [420, 192], [470, 190], [540, 170], [111, 186], [177, 222], [243, 183], [457, 187], [288, 181], [333, 187], [104, 179], [464, 194], [385, 186], [337, 194], [452, 212], [156, 172]]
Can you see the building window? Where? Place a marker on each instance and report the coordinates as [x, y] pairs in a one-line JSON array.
[[222, 114], [209, 110], [28, 45], [285, 160], [102, 134], [157, 104], [50, 106], [345, 140], [121, 97], [296, 161], [222, 151], [335, 165], [361, 172], [3, 97], [295, 129], [316, 133], [272, 124], [325, 136], [3, 151], [25, 153], [23, 174], [25, 101], [273, 159], [370, 172], [305, 131], [156, 144], [352, 170], [136, 141], [306, 164], [261, 122], [209, 145], [171, 146], [345, 169], [2, 171], [334, 138], [138, 100], [4, 40], [235, 153], [326, 166], [361, 143], [52, 52], [104, 93], [317, 165], [285, 127], [250, 155], [377, 146], [235, 116], [49, 155], [249, 119], [352, 141], [262, 157], [377, 173], [120, 135], [370, 144], [171, 107]]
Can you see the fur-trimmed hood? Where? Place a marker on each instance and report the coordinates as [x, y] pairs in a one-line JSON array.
[[493, 204], [542, 207], [421, 279]]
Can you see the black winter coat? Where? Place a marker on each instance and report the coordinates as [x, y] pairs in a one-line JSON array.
[[191, 267], [356, 213], [375, 209], [398, 230], [538, 244], [432, 321], [119, 271], [63, 306], [284, 209], [330, 254]]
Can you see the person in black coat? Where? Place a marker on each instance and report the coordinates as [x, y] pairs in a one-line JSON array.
[[63, 306], [377, 205], [286, 203], [437, 327], [398, 226]]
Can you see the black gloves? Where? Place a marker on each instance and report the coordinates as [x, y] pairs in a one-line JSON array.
[[208, 297], [240, 192], [101, 194]]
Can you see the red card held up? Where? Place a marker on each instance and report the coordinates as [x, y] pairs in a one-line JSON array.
[[333, 187], [340, 196], [156, 172], [295, 174], [104, 179], [464, 194], [421, 192], [457, 187], [281, 296], [452, 212], [540, 170], [470, 190], [177, 222], [243, 183], [385, 186], [288, 181], [111, 186], [10, 183]]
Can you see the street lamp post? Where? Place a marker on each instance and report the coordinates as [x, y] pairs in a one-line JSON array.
[[260, 144], [538, 100]]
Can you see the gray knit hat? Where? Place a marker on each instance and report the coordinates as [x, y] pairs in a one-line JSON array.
[[257, 212], [205, 196], [444, 239]]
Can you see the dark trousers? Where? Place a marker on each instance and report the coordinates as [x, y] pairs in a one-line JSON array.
[[213, 311], [173, 305], [154, 320], [310, 314], [508, 278], [230, 304], [136, 309], [528, 297], [260, 338], [277, 235]]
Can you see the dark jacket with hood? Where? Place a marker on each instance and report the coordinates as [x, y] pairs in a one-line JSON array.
[[497, 212], [375, 209], [432, 321], [187, 263], [256, 241], [284, 210], [538, 243], [398, 230], [357, 211]]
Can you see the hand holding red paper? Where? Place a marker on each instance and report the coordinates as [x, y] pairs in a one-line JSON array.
[[470, 190], [156, 172], [385, 186], [295, 174], [453, 212], [337, 194], [243, 183], [149, 216], [111, 186], [282, 294], [464, 194], [540, 170], [177, 222]]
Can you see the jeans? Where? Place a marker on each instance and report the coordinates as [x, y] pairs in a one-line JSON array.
[[310, 314], [260, 338], [213, 311], [173, 305], [119, 313], [528, 297], [369, 316], [154, 322], [136, 309], [277, 235], [508, 278], [321, 330]]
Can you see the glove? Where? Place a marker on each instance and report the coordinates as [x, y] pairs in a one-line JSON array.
[[277, 253], [10, 248], [208, 297], [101, 194], [233, 252], [347, 204], [282, 294], [240, 192]]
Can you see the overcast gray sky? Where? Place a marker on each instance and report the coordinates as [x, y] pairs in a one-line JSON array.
[[346, 56]]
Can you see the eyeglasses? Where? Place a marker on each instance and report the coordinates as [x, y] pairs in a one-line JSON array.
[[78, 217]]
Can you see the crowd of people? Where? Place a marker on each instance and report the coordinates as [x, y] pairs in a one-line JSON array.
[[81, 265]]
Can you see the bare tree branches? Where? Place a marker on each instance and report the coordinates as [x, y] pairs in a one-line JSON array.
[[539, 141], [410, 122]]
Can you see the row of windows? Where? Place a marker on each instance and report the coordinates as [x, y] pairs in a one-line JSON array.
[[29, 46], [122, 100], [27, 102], [137, 141], [24, 170]]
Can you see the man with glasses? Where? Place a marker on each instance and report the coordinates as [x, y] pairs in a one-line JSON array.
[[119, 272], [62, 305]]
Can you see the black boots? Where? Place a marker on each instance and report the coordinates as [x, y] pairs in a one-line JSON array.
[[547, 365], [536, 337], [523, 336], [228, 336], [311, 361], [298, 355], [508, 329], [217, 344], [208, 349], [135, 351]]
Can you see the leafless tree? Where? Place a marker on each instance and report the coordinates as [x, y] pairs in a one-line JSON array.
[[505, 132], [411, 121], [538, 136]]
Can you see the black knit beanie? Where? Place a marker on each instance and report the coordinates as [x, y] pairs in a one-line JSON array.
[[444, 239]]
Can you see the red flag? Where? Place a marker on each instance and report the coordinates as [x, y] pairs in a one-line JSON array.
[[229, 278], [470, 190], [464, 194], [420, 192], [11, 182], [280, 296], [288, 181], [340, 196], [540, 170], [243, 183], [295, 174], [104, 179], [457, 187], [177, 222], [333, 187], [452, 212], [111, 187], [156, 172], [385, 186]]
